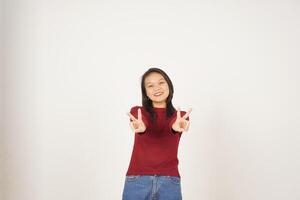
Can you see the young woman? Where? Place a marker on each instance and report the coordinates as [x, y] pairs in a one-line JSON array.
[[153, 169]]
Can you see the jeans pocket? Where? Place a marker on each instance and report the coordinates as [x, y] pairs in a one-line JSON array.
[[174, 179], [132, 178]]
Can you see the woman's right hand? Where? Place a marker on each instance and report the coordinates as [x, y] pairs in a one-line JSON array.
[[137, 125]]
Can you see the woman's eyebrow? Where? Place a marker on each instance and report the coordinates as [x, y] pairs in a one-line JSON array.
[[149, 82]]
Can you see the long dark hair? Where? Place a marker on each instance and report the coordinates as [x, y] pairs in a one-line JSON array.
[[147, 103]]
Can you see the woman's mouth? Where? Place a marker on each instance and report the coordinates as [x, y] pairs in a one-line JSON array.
[[158, 94]]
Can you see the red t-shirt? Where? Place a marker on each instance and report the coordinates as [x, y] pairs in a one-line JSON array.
[[155, 150]]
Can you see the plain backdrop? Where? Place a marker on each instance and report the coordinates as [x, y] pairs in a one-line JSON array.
[[70, 70]]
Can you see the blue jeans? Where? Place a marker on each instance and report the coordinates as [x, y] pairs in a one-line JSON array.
[[152, 187]]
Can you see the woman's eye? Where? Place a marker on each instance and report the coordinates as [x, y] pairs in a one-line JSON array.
[[161, 83], [150, 85]]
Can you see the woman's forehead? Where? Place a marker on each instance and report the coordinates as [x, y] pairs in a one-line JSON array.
[[154, 77]]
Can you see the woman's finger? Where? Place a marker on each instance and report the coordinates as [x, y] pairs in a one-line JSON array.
[[187, 113], [131, 117], [139, 114], [180, 129], [178, 113]]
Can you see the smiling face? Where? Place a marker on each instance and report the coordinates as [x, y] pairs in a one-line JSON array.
[[157, 89]]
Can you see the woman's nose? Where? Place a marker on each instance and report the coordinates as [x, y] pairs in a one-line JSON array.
[[156, 88]]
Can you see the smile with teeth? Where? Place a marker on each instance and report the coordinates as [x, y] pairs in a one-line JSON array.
[[158, 94]]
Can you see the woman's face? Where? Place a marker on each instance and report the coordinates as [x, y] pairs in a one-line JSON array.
[[157, 89]]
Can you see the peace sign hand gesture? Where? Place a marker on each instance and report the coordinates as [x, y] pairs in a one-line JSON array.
[[181, 123], [137, 125]]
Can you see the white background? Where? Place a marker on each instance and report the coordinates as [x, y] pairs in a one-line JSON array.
[[70, 70]]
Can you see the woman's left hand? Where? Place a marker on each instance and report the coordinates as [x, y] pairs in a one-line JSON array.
[[181, 123]]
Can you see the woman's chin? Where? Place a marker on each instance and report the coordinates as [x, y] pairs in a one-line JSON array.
[[159, 100]]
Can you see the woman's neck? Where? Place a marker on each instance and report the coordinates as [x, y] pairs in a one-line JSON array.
[[159, 104]]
